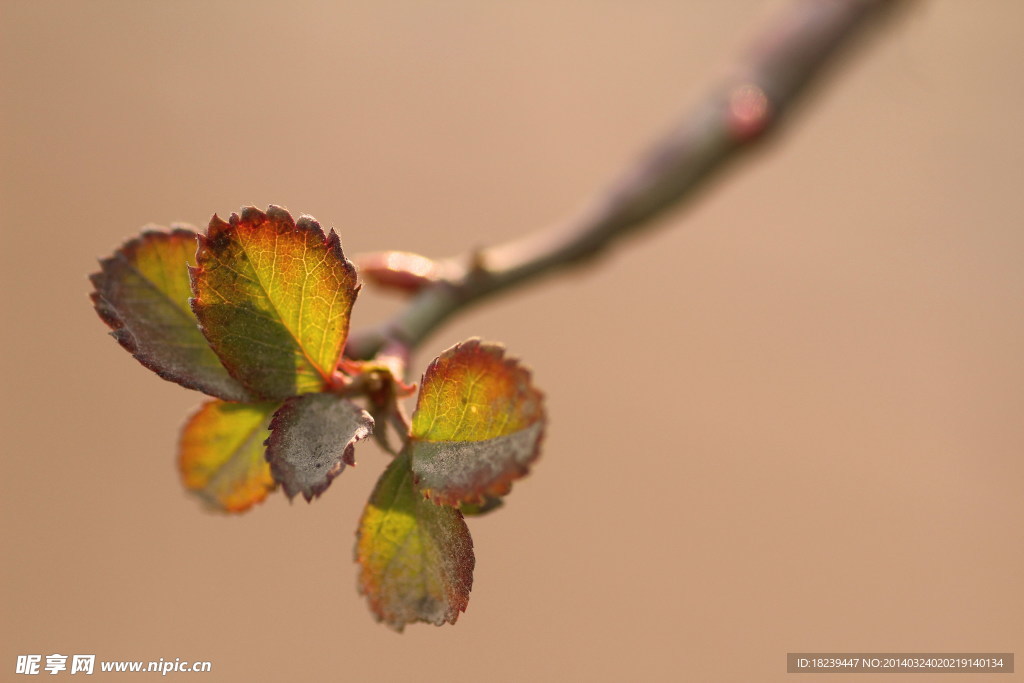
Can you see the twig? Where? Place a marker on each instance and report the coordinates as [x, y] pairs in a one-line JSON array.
[[776, 71]]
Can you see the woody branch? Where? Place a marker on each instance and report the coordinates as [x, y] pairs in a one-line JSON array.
[[779, 67]]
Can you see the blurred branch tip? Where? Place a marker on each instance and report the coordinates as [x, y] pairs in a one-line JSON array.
[[781, 65]]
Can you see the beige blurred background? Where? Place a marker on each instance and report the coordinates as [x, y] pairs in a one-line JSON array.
[[790, 419]]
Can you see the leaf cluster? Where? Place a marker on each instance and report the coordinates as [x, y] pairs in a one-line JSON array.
[[254, 312]]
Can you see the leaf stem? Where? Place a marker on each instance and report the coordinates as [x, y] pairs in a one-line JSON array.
[[773, 74]]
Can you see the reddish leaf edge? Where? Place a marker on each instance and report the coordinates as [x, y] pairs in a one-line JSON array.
[[118, 328], [219, 229], [208, 505], [502, 486]]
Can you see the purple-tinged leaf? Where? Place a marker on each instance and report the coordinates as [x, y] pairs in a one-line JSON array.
[[142, 292], [312, 438]]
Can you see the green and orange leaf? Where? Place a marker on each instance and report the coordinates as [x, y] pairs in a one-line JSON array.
[[477, 426], [273, 297], [416, 558], [222, 455], [312, 438], [142, 292]]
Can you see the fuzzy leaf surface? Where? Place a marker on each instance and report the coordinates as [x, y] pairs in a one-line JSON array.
[[273, 298], [416, 558], [142, 292], [312, 438], [477, 425], [221, 457]]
